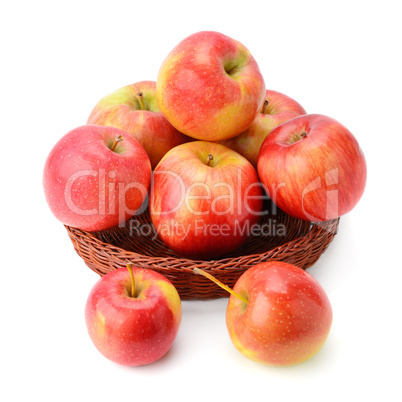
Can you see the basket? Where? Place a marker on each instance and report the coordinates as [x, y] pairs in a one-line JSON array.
[[280, 238]]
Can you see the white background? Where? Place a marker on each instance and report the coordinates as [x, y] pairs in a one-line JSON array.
[[338, 58]]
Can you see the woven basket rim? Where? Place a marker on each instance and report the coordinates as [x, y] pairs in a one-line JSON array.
[[315, 228]]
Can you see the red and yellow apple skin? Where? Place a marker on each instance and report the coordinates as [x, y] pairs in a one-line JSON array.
[[133, 331], [203, 208], [313, 168], [277, 109], [210, 87], [91, 187], [287, 318], [140, 116]]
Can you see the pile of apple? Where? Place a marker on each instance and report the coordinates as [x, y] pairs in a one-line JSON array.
[[203, 146]]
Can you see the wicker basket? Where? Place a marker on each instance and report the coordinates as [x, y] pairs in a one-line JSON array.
[[281, 238]]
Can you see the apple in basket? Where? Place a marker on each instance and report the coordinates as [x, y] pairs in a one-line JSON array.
[[96, 177], [205, 199], [277, 108], [210, 87], [133, 315], [313, 168], [134, 109], [277, 314]]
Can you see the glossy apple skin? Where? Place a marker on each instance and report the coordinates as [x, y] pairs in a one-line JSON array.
[[197, 94], [203, 211], [318, 177], [90, 187], [288, 316], [123, 109], [279, 109], [133, 331]]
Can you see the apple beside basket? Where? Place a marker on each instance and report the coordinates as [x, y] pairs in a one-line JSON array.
[[281, 238]]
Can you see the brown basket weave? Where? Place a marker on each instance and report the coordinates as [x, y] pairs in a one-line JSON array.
[[290, 240]]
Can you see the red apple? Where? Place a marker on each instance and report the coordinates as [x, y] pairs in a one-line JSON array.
[[205, 199], [210, 87], [277, 108], [134, 109], [96, 177], [278, 314], [313, 168], [133, 315]]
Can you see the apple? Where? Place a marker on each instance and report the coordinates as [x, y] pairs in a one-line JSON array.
[[312, 168], [134, 109], [277, 108], [205, 199], [96, 177], [133, 315], [210, 87], [277, 314]]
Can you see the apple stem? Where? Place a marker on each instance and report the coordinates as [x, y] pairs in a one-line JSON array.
[[210, 159], [140, 97], [264, 106], [130, 270], [116, 141], [303, 134], [199, 271]]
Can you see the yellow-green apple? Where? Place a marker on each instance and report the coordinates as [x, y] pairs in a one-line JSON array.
[[205, 199], [277, 108], [134, 109], [277, 314], [133, 315], [210, 87], [313, 168], [96, 177]]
